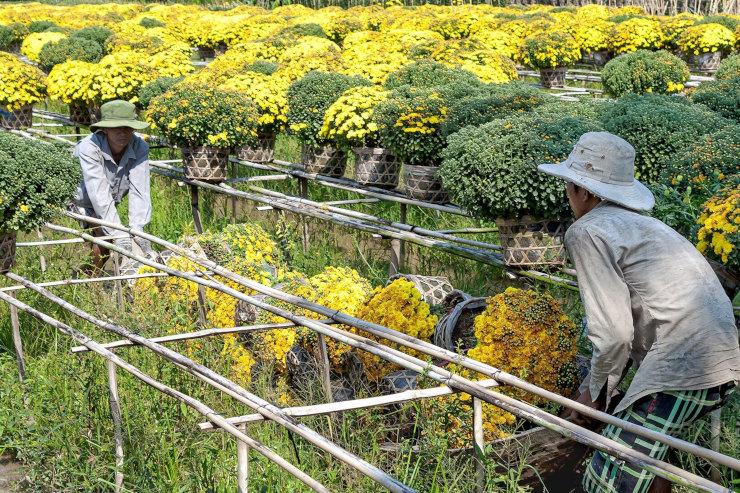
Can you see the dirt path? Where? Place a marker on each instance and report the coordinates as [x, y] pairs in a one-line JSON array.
[[10, 474]]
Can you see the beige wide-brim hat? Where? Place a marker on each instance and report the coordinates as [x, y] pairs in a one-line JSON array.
[[118, 113], [604, 164]]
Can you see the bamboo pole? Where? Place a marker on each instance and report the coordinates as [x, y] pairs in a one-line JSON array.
[[194, 335], [206, 411], [303, 192], [117, 283], [115, 412], [65, 241], [42, 259], [325, 369], [520, 409], [715, 427], [365, 403], [252, 179], [17, 342], [260, 405], [195, 208], [413, 343], [89, 280]]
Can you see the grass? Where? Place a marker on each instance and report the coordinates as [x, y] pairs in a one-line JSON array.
[[57, 422]]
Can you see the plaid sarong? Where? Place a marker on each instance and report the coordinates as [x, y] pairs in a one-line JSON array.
[[666, 412]]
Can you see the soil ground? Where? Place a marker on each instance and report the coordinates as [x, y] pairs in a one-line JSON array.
[[10, 474]]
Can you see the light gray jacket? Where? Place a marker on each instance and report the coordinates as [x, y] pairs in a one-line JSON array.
[[650, 296], [104, 183]]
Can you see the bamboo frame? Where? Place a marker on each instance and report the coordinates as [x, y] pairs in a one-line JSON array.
[[202, 372], [517, 408], [203, 409]]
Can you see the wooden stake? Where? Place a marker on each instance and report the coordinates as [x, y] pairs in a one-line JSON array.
[[480, 443], [202, 310], [17, 341], [325, 369], [117, 283], [42, 259], [115, 412], [195, 208], [303, 192], [242, 464], [715, 425]]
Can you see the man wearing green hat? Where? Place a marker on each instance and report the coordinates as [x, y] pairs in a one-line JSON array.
[[115, 163], [652, 302]]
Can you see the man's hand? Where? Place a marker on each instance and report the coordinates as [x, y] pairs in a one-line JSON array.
[[146, 247], [580, 419], [124, 243]]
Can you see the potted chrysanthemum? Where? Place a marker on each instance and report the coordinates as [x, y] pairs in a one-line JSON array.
[[22, 86], [73, 82], [409, 124], [349, 122], [36, 179], [206, 123], [551, 53], [268, 94], [308, 100], [704, 44]]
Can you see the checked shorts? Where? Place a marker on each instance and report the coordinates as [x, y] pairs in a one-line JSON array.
[[666, 412]]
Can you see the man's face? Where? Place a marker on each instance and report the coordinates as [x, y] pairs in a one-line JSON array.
[[118, 138], [574, 199]]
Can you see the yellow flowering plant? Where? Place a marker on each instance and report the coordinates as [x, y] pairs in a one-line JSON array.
[[636, 33], [73, 81], [409, 124], [673, 26], [268, 93], [349, 120], [398, 306], [191, 115], [524, 333], [34, 42], [719, 232], [705, 38], [20, 84], [550, 50]]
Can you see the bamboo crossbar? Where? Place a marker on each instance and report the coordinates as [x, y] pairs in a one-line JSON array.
[[335, 407], [65, 241], [265, 408], [509, 404], [195, 335], [90, 280], [206, 411]]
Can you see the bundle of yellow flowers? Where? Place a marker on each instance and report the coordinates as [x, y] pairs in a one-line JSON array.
[[32, 44], [121, 75], [706, 38], [592, 36], [719, 235], [550, 51], [673, 26], [72, 82], [524, 333], [636, 33], [489, 66], [269, 95], [398, 306], [349, 120], [20, 84], [500, 42]]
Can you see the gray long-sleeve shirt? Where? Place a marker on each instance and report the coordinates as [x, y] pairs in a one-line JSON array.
[[104, 183], [650, 296]]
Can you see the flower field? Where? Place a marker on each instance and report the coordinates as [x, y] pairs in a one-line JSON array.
[[471, 98]]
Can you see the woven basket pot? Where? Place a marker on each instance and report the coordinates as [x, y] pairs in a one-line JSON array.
[[84, 114], [455, 329], [422, 183], [17, 119], [324, 160], [596, 58], [7, 252], [529, 242], [433, 289], [553, 77], [377, 167], [205, 163], [205, 53], [707, 62], [262, 152], [220, 49]]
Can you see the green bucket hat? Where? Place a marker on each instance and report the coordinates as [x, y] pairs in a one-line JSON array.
[[118, 113]]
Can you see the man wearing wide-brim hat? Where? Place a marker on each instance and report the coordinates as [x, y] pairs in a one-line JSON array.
[[115, 163], [652, 301]]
